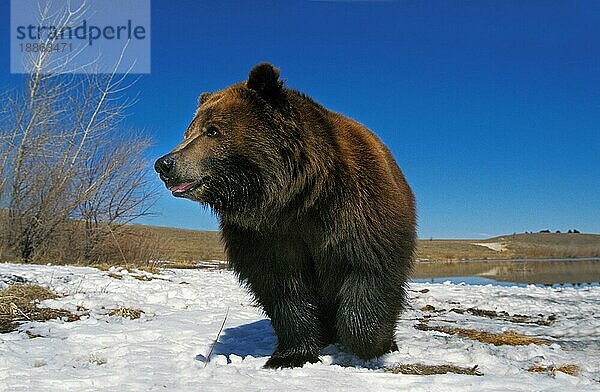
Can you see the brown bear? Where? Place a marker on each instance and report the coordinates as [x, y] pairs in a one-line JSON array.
[[317, 219]]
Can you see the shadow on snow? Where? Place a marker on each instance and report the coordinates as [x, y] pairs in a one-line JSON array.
[[258, 340]]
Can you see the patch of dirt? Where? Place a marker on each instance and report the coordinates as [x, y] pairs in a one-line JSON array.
[[426, 370], [510, 338], [11, 279], [429, 308], [504, 316], [32, 335], [514, 318]]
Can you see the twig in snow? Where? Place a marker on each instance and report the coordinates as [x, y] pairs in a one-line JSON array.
[[214, 343]]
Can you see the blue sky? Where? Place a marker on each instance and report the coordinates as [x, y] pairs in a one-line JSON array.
[[492, 109]]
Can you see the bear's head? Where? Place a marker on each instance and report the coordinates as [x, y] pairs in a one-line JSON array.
[[241, 151]]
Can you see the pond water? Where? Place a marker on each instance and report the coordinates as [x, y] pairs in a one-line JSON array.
[[546, 272]]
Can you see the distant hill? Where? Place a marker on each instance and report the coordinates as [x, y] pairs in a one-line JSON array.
[[185, 246], [514, 246], [191, 245]]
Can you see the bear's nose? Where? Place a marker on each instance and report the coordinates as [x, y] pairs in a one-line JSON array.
[[164, 166]]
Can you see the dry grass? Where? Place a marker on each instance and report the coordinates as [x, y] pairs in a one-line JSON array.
[[426, 370], [180, 245], [213, 264], [152, 268], [96, 359], [134, 274], [548, 245], [510, 338], [18, 303], [144, 278], [570, 369], [180, 265], [130, 313], [454, 250], [190, 245], [184, 248], [538, 245]]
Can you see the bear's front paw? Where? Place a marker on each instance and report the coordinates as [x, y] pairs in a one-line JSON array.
[[290, 361]]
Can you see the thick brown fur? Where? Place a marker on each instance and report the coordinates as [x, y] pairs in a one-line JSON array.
[[317, 218]]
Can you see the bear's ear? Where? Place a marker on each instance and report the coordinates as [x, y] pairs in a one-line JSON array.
[[203, 98], [264, 79]]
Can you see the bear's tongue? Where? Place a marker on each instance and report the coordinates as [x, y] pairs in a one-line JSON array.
[[182, 187]]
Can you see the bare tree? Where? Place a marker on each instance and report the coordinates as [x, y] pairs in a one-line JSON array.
[[66, 162], [117, 199]]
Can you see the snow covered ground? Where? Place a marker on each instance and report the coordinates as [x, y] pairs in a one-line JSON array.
[[183, 310], [497, 246]]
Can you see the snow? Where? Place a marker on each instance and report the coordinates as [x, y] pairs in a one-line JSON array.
[[165, 349], [496, 246]]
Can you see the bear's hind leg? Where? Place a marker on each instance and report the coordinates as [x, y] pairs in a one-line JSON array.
[[292, 308], [366, 318]]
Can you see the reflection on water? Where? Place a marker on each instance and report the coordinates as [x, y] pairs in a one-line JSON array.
[[573, 272]]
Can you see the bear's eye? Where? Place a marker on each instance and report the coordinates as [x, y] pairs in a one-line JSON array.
[[212, 131]]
